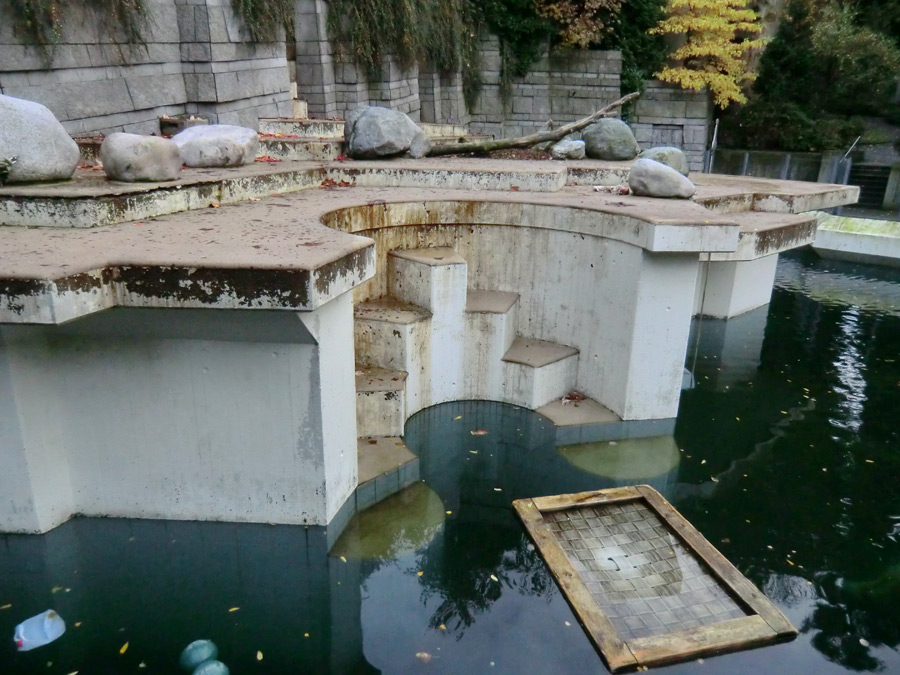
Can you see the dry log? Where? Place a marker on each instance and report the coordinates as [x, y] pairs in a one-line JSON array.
[[532, 139]]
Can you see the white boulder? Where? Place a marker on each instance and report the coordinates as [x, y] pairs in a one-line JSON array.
[[132, 157], [649, 178], [32, 134], [217, 145]]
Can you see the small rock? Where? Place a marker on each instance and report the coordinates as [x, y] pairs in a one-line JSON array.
[[610, 139], [568, 149], [132, 157], [217, 145], [670, 157], [197, 653], [42, 147], [212, 668], [650, 178], [372, 132]]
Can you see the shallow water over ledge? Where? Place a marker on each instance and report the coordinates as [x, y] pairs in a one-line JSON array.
[[785, 457]]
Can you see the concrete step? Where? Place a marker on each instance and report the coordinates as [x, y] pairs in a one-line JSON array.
[[385, 467], [300, 149], [490, 329], [436, 279], [380, 401], [535, 372], [304, 128], [396, 336]]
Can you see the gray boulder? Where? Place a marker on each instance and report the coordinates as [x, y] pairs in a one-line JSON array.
[[649, 178], [217, 145], [610, 139], [30, 132], [670, 157], [568, 149], [132, 157], [372, 132]]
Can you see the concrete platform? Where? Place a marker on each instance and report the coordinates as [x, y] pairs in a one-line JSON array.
[[386, 466], [875, 242]]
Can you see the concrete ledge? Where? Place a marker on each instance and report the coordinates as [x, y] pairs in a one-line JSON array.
[[876, 242]]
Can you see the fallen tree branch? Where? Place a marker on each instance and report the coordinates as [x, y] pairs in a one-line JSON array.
[[532, 139]]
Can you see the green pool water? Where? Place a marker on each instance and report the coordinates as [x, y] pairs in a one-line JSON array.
[[785, 456]]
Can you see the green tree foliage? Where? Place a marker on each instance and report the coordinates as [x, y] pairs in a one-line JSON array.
[[643, 53], [821, 67], [715, 48]]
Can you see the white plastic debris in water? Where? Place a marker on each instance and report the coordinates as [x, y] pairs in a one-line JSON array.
[[39, 630]]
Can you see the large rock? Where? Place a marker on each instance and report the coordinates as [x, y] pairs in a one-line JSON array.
[[217, 145], [32, 133], [610, 139], [372, 132], [568, 149], [670, 157], [131, 157], [649, 178]]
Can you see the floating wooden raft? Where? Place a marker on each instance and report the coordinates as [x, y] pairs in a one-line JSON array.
[[648, 587]]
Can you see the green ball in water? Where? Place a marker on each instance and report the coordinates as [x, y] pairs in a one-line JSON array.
[[212, 668], [196, 653]]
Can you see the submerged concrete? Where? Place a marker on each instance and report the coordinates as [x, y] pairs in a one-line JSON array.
[[196, 355]]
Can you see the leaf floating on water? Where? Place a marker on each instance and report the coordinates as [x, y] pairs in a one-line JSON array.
[[420, 573], [458, 417], [449, 512], [234, 609], [864, 642], [423, 657], [868, 461], [77, 624], [6, 606], [568, 624], [493, 578], [259, 656], [123, 648], [478, 432], [714, 479], [498, 489], [473, 452], [442, 627], [56, 589], [306, 635], [703, 461], [343, 559], [790, 563], [142, 664]]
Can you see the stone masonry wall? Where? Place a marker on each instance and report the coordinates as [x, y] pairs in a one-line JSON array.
[[559, 87], [666, 114], [194, 60]]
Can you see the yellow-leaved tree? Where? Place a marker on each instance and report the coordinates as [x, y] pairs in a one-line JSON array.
[[718, 36]]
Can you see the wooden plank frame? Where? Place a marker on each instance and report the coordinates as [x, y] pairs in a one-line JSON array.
[[764, 623]]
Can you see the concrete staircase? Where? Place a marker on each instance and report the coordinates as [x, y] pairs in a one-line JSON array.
[[432, 340], [322, 140]]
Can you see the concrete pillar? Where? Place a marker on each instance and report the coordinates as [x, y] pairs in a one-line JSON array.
[[659, 325], [315, 58], [729, 288], [231, 415]]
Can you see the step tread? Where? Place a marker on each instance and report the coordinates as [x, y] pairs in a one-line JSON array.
[[490, 302], [389, 310], [380, 455], [435, 256], [373, 379], [569, 413], [537, 353]]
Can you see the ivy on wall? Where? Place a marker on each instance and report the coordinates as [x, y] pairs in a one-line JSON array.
[[41, 21], [264, 19]]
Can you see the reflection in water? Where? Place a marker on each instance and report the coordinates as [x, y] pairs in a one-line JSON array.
[[402, 523], [627, 460], [849, 367]]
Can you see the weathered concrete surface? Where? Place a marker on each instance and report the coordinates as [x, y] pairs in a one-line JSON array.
[[199, 415], [876, 242]]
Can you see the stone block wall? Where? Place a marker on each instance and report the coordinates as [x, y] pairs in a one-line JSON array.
[[194, 60], [666, 114], [559, 88]]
